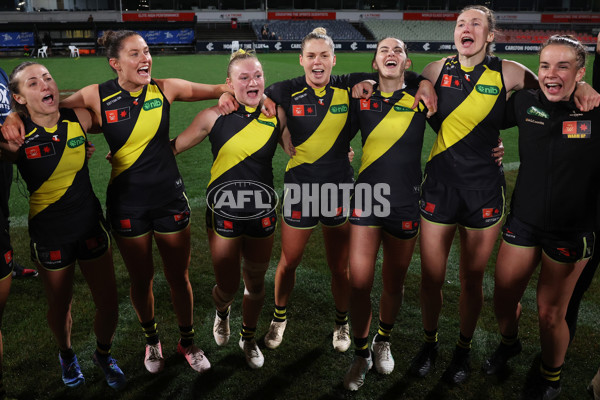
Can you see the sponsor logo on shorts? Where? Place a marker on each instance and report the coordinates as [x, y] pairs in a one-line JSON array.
[[564, 251], [8, 256], [429, 207], [490, 214], [242, 200], [266, 222], [125, 223], [407, 225], [55, 255], [296, 215], [227, 224]]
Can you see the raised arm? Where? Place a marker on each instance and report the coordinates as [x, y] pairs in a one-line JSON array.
[[182, 90], [197, 131]]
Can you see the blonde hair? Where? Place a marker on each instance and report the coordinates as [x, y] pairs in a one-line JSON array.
[[318, 33], [238, 56]]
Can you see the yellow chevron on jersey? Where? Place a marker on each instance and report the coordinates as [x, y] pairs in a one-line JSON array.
[[468, 114], [323, 138], [144, 130], [251, 138], [387, 132], [71, 162]]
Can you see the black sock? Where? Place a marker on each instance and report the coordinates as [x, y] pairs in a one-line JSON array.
[[341, 317], [247, 333], [67, 355], [280, 314], [102, 349], [150, 332], [550, 375], [384, 332], [186, 335], [361, 347]]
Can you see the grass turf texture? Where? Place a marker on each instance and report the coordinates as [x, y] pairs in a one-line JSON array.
[[305, 366]]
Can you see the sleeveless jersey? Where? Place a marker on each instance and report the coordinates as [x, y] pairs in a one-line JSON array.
[[392, 139], [471, 106], [243, 144], [319, 123], [136, 126], [52, 161]]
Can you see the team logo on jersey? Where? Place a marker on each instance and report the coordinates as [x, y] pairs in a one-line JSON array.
[[538, 112], [76, 142], [577, 129], [451, 81], [487, 89], [39, 151], [119, 115], [321, 102], [370, 104], [341, 108], [304, 110], [150, 104]]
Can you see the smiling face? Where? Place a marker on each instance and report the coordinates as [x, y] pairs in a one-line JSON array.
[[37, 91], [472, 33], [558, 72], [391, 59], [134, 64], [247, 81], [318, 60]]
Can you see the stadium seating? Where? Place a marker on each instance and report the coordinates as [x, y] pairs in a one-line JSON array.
[[427, 31], [538, 35], [296, 30]]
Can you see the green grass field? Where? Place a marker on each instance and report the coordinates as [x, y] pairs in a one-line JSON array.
[[305, 366]]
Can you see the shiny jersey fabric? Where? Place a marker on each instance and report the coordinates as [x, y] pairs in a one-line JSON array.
[[319, 123], [243, 144], [471, 105], [558, 184], [52, 161], [392, 139], [136, 127]]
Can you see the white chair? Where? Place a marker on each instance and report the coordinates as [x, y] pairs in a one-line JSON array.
[[42, 52], [235, 46], [74, 51]]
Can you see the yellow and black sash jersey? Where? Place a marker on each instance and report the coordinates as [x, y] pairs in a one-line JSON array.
[[392, 139], [52, 161], [136, 127], [243, 144], [319, 123], [471, 103]]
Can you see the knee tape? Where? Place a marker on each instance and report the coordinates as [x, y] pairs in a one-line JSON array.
[[222, 299]]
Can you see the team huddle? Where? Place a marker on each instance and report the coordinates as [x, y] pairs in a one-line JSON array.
[[467, 99]]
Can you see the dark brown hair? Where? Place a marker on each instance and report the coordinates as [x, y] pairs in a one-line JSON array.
[[570, 41], [112, 41], [13, 86]]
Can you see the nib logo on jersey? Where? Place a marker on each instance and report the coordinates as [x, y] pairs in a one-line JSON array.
[[242, 200], [119, 115], [331, 200]]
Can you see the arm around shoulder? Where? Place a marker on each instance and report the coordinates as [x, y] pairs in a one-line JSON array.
[[197, 131], [517, 76], [181, 90]]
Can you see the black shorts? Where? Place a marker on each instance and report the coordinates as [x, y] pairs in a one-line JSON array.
[[562, 247], [261, 227], [474, 209], [6, 251], [54, 257], [307, 204], [401, 222], [171, 218]]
